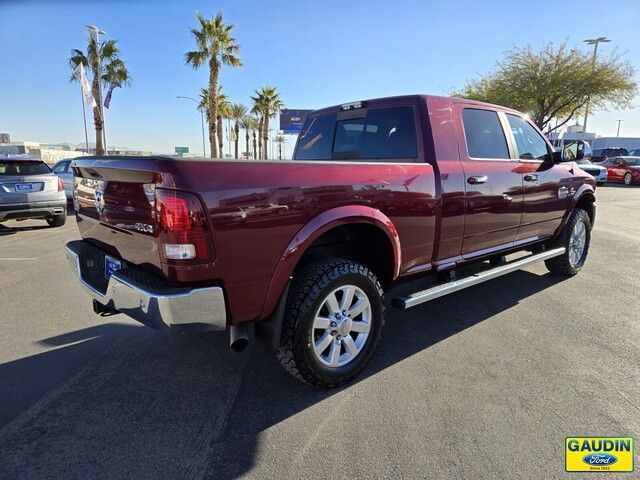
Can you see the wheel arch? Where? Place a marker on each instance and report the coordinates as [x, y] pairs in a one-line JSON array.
[[356, 221], [585, 199]]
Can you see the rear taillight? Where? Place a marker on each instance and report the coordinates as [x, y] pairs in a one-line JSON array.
[[60, 185], [183, 234]]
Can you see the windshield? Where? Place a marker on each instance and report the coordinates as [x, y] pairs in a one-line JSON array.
[[22, 167], [611, 152], [583, 161]]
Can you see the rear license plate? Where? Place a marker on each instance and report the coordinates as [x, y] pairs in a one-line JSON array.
[[111, 265], [24, 187]]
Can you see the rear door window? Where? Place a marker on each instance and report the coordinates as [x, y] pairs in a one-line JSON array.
[[484, 135], [22, 167]]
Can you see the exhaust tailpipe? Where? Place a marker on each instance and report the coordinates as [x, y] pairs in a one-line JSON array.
[[238, 338]]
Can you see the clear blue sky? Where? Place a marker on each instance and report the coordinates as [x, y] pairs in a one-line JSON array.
[[317, 53]]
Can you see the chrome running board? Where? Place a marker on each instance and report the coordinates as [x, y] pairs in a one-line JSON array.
[[453, 286]]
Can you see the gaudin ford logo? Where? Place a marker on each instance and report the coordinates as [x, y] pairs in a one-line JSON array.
[[599, 459], [599, 454]]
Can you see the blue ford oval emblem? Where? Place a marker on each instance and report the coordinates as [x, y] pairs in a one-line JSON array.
[[599, 459]]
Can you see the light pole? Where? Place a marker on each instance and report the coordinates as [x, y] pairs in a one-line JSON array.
[[204, 151], [619, 122], [95, 32], [594, 42]]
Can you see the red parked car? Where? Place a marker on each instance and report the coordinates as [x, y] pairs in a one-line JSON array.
[[623, 169], [379, 192]]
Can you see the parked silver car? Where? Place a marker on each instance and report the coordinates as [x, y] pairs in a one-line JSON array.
[[594, 169], [63, 170], [28, 189]]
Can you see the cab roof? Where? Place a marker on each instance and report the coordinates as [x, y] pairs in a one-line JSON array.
[[406, 100]]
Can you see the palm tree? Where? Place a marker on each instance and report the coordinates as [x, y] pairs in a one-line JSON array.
[[203, 106], [255, 129], [267, 101], [259, 105], [103, 59], [237, 113], [245, 123], [216, 46], [255, 110], [223, 111], [280, 141]]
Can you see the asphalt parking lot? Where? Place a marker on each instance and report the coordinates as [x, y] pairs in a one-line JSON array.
[[484, 383]]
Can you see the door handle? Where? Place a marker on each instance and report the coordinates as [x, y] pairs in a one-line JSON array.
[[531, 177], [477, 180]]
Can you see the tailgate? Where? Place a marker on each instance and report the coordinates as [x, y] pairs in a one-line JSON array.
[[120, 209]]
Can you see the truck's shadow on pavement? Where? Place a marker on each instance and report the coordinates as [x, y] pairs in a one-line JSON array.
[[174, 406]]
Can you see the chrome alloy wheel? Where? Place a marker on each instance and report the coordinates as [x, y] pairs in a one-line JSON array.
[[341, 326], [577, 243]]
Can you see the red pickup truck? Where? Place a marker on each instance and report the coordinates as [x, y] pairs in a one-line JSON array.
[[378, 192]]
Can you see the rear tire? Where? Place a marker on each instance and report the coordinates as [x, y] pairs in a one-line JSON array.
[[58, 220], [627, 178], [576, 238], [333, 321]]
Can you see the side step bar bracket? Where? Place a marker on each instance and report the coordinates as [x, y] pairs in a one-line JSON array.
[[455, 285]]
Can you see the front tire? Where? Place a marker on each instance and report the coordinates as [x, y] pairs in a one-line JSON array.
[[576, 238], [333, 322], [58, 220], [627, 178]]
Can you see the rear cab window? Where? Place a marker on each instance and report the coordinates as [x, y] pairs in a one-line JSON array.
[[316, 138], [368, 134], [23, 167]]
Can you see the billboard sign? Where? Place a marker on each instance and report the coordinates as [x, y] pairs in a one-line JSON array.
[[181, 150], [291, 120]]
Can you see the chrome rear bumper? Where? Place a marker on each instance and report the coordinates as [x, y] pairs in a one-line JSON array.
[[143, 296]]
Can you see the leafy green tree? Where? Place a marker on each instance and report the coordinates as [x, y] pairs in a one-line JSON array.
[[267, 103], [104, 62], [215, 46], [555, 83], [237, 112]]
